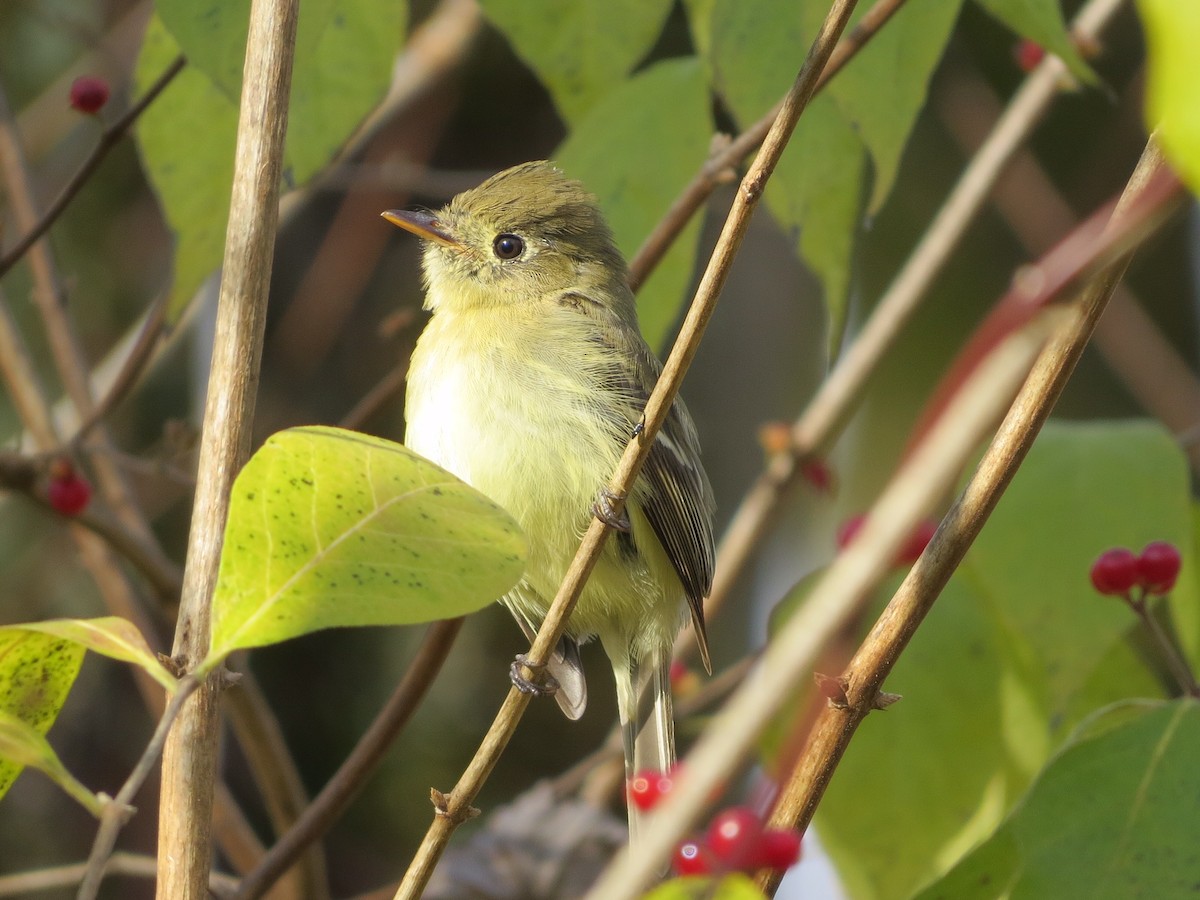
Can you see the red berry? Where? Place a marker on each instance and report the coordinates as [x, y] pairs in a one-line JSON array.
[[647, 788], [89, 94], [778, 848], [1158, 567], [817, 473], [67, 492], [1115, 571], [1028, 54], [849, 530], [733, 837], [917, 541], [691, 859]]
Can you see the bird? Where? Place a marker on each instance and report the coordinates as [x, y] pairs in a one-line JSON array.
[[527, 382]]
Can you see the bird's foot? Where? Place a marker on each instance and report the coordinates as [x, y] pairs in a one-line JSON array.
[[604, 510], [546, 686]]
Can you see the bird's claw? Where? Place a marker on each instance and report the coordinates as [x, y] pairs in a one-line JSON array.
[[547, 686], [604, 510]]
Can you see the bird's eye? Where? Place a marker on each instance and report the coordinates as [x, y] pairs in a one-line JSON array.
[[508, 246]]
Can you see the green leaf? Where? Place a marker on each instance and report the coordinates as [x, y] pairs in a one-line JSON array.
[[110, 636], [186, 139], [815, 195], [1173, 71], [1112, 816], [636, 150], [1017, 650], [1041, 21], [36, 674], [331, 528], [816, 192], [344, 55], [579, 50], [1085, 487], [343, 68], [930, 777], [730, 887], [23, 745], [884, 87]]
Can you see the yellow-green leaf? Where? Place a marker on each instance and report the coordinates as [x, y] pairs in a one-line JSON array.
[[23, 745], [36, 674], [1173, 73], [110, 636], [332, 528]]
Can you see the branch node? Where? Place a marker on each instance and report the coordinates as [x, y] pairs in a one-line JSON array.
[[441, 808]]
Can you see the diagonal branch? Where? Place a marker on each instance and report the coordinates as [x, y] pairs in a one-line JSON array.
[[874, 660], [826, 414], [459, 801], [715, 170]]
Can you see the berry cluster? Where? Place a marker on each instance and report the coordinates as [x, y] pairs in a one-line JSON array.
[[1118, 571], [736, 839]]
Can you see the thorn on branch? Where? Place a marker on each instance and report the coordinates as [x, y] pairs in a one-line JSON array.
[[883, 700]]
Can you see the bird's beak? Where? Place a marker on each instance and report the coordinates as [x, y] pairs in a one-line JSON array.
[[422, 224]]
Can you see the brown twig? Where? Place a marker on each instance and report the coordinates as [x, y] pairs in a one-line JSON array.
[[136, 865], [750, 191], [189, 763], [368, 752], [882, 647], [929, 470], [856, 571], [135, 363], [109, 139], [826, 414], [715, 170]]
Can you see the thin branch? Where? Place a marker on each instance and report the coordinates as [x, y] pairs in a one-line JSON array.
[[1175, 661], [139, 357], [118, 810], [189, 763], [65, 346], [926, 474], [915, 597], [109, 139], [359, 765], [459, 801], [136, 865], [826, 414], [912, 492], [373, 400], [1126, 336], [716, 169]]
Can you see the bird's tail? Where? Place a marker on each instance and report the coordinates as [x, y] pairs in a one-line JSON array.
[[647, 720]]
